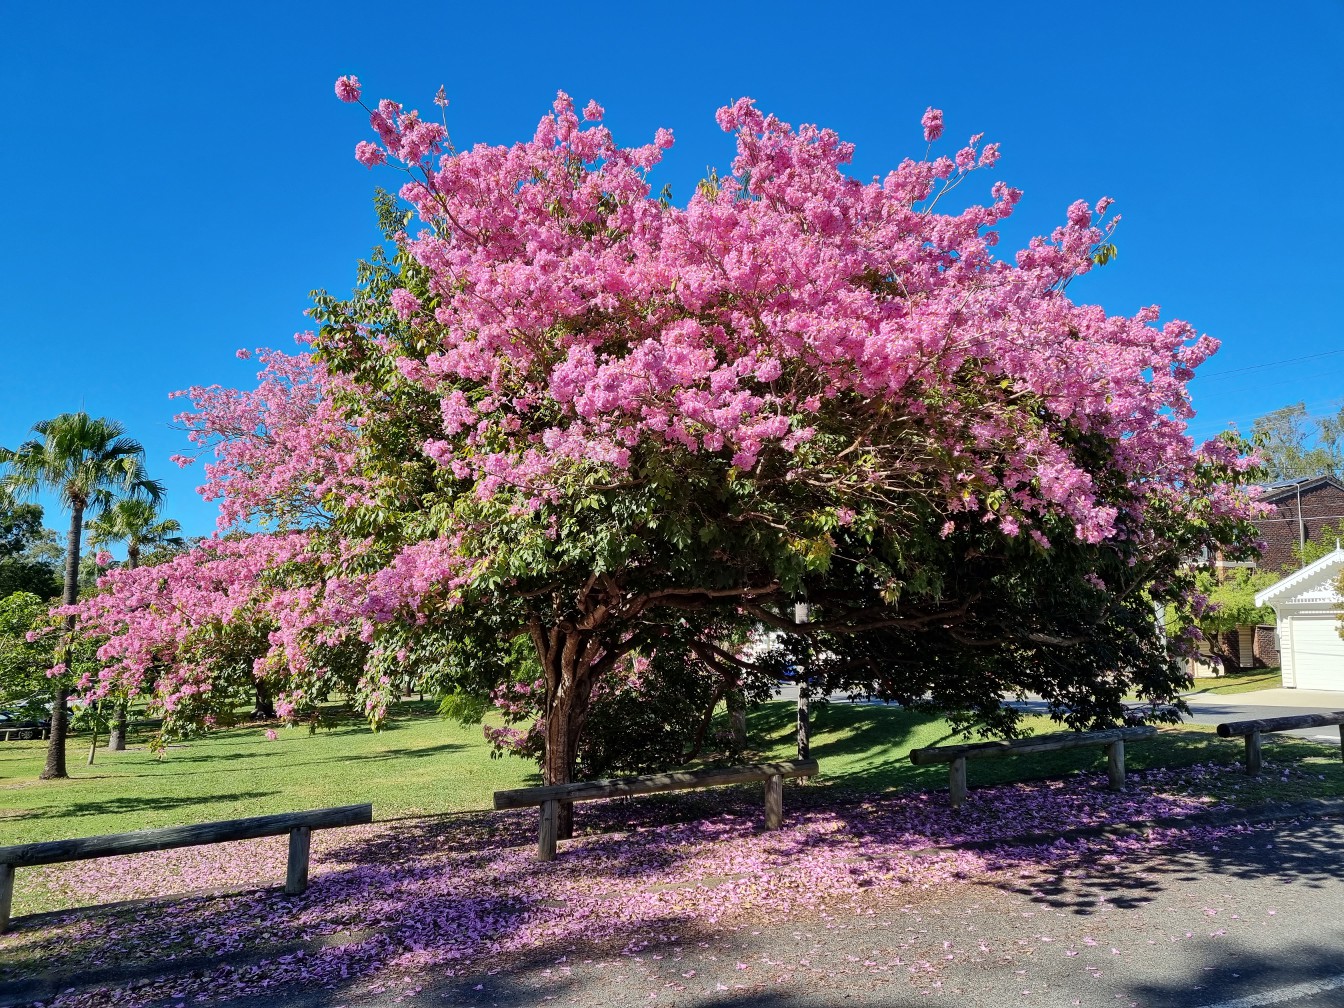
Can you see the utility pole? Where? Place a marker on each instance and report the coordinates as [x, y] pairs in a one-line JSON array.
[[800, 614]]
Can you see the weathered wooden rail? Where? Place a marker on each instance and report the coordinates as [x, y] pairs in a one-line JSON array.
[[299, 826], [956, 755], [551, 796], [1252, 730]]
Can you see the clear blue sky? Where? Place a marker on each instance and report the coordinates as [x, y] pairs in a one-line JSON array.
[[178, 177]]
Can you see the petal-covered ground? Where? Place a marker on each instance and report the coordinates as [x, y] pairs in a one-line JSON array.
[[394, 902]]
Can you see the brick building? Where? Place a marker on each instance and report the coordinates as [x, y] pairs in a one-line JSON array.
[[1301, 509]]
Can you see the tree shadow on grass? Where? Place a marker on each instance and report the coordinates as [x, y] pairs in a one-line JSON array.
[[210, 763], [131, 806]]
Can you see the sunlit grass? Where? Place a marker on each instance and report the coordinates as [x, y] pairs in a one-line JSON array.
[[1245, 681], [422, 764]]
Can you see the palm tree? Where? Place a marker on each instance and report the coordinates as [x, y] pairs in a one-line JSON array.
[[133, 521], [88, 463]]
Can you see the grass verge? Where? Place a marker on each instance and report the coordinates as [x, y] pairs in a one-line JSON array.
[[1239, 682], [422, 765]]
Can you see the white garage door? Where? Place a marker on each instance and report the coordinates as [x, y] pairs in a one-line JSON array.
[[1318, 653]]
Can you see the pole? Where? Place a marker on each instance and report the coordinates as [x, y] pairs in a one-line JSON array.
[[800, 614]]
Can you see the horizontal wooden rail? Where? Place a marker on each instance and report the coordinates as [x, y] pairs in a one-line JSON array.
[[1252, 731], [299, 826], [1232, 728], [169, 837], [1040, 743], [652, 783], [551, 796], [956, 755]]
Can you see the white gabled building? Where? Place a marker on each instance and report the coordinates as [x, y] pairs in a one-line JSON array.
[[1308, 606]]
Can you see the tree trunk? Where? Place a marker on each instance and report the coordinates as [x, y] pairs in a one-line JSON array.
[[570, 660], [55, 767], [116, 736], [558, 760], [93, 745], [264, 707], [737, 718]]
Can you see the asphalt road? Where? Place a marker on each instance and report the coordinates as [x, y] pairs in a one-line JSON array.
[[1246, 921]]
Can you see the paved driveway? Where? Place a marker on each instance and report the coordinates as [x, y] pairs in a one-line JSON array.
[[1270, 703]]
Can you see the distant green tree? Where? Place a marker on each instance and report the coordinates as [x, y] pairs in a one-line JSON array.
[[23, 663], [1294, 443], [21, 570], [1322, 542], [88, 462]]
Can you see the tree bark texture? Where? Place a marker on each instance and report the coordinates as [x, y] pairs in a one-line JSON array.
[[737, 718], [116, 737], [572, 658], [55, 765]]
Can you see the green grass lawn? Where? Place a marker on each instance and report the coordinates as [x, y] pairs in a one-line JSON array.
[[1244, 681], [866, 748], [422, 764]]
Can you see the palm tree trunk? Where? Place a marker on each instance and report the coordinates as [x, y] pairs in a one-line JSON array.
[[116, 737], [55, 767], [116, 734]]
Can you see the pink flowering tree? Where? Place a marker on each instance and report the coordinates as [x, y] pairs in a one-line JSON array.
[[564, 411]]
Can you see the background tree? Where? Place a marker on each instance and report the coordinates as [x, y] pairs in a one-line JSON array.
[[87, 462], [1294, 443], [22, 567], [572, 415], [24, 687], [135, 524], [1326, 539]]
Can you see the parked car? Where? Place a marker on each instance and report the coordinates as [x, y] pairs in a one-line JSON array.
[[16, 726]]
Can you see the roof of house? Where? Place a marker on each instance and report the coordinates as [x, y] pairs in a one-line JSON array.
[[1290, 488], [1315, 578]]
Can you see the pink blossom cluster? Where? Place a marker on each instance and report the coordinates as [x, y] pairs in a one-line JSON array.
[[594, 318], [279, 449]]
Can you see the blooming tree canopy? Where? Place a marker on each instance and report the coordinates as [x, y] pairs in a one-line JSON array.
[[567, 411]]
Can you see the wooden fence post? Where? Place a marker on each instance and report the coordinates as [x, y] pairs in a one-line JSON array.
[[296, 871], [956, 781], [774, 801], [6, 894], [549, 831], [1115, 764], [1252, 754]]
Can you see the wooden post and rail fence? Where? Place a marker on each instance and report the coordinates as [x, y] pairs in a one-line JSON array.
[[299, 826], [1252, 730], [550, 797], [956, 755]]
